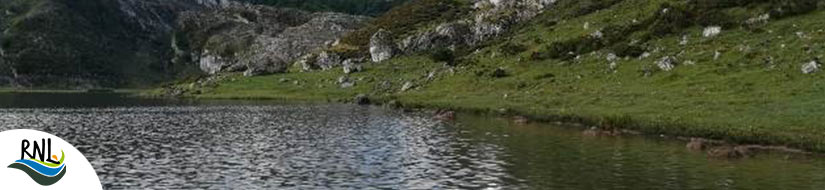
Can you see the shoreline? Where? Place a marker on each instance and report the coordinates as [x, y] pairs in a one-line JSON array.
[[590, 125]]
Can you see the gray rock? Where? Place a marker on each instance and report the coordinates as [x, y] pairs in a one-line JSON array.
[[352, 65], [345, 82], [712, 31], [811, 67], [268, 66], [667, 63], [308, 62], [612, 57], [381, 46], [407, 86], [328, 60]]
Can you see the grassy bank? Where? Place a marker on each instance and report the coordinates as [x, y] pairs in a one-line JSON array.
[[743, 86]]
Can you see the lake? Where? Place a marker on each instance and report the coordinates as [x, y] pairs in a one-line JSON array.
[[185, 144]]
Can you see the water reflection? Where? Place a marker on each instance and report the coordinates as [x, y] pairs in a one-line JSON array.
[[356, 147], [264, 147]]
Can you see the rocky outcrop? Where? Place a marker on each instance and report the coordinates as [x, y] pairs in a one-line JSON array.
[[489, 19], [261, 38], [381, 46]]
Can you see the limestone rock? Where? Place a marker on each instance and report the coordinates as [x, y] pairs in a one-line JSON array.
[[407, 86], [811, 67], [328, 60], [352, 65], [307, 62], [667, 63], [381, 46], [256, 33], [268, 66], [712, 31]]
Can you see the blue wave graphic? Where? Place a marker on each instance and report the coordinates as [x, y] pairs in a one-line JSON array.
[[42, 169]]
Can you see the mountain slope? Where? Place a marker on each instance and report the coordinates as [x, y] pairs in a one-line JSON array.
[[64, 43], [742, 71]]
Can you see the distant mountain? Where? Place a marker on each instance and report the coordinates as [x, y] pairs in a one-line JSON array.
[[121, 43]]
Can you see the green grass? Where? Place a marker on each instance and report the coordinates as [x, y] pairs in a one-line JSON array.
[[739, 97]]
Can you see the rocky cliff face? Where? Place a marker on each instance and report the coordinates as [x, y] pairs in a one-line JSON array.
[[256, 39], [91, 42], [489, 19]]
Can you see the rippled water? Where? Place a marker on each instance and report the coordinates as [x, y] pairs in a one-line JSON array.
[[197, 146]]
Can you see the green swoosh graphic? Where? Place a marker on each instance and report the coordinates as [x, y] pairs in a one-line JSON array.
[[37, 177], [52, 165]]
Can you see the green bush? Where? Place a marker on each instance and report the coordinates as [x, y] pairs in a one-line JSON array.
[[443, 55]]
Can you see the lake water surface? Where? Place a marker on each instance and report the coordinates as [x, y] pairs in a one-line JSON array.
[[166, 144]]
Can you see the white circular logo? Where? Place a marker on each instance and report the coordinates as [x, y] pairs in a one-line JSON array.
[[31, 159]]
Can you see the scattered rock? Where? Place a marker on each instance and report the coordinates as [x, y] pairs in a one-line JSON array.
[[712, 31], [445, 115], [761, 19], [521, 120], [717, 55], [613, 67], [597, 132], [684, 40], [696, 144], [597, 34], [407, 86], [381, 46], [612, 57], [361, 99], [667, 63], [345, 82], [729, 152], [267, 66], [431, 76], [328, 60], [352, 65], [811, 67], [308, 62], [644, 55]]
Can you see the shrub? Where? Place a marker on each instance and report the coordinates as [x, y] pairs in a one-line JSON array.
[[511, 48], [443, 55]]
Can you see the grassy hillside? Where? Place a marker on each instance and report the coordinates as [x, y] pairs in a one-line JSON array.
[[745, 85]]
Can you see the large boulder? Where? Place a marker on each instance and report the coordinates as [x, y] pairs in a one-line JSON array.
[[381, 46], [268, 66]]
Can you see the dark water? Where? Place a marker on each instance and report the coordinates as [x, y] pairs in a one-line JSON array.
[[163, 144]]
